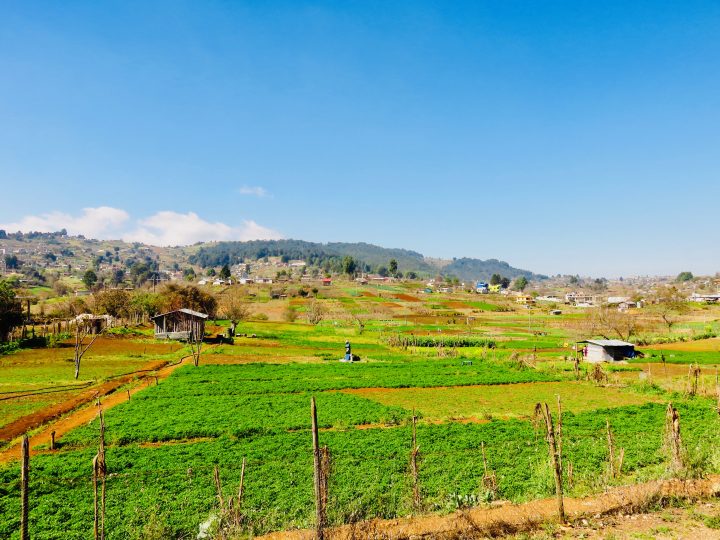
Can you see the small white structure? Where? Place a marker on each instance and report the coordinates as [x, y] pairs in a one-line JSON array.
[[607, 350]]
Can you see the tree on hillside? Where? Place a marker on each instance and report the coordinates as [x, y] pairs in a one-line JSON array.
[[11, 313], [89, 278], [383, 271], [520, 283], [505, 282], [349, 265], [189, 274], [12, 262], [495, 279], [684, 276], [118, 276], [393, 267], [225, 272]]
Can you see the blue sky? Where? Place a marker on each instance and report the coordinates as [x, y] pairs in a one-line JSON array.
[[563, 137]]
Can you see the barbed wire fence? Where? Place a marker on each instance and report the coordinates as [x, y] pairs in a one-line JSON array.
[[227, 486]]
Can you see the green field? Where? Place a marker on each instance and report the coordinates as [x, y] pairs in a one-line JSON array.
[[251, 399]]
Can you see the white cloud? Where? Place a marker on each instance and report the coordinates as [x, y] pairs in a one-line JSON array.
[[255, 191], [100, 222], [166, 228], [169, 228]]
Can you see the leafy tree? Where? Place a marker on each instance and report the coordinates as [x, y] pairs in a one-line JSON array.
[[11, 313], [118, 276], [495, 279], [12, 262], [411, 275], [210, 272], [113, 302], [175, 296], [505, 282], [189, 274], [393, 267], [225, 272], [684, 276], [89, 278], [383, 271], [349, 265], [520, 283]]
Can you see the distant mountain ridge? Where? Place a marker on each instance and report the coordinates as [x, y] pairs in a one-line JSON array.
[[368, 255]]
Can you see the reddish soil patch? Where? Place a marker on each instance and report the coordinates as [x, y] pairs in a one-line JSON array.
[[406, 297], [457, 305], [36, 419], [369, 294], [82, 416]]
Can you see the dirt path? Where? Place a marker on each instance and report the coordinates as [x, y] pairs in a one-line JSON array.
[[510, 518], [79, 416]]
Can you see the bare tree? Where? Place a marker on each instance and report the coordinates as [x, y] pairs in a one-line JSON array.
[[315, 312], [84, 328], [669, 306], [608, 322], [234, 307]]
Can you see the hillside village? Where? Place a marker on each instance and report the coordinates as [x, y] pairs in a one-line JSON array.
[[45, 267]]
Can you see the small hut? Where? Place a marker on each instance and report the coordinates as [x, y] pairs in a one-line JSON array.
[[181, 324], [607, 350], [93, 324]]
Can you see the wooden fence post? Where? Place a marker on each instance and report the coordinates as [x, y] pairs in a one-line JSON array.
[[611, 449], [672, 435], [52, 440], [544, 410], [24, 488], [242, 482], [96, 513], [417, 501], [99, 472], [559, 431], [319, 510]]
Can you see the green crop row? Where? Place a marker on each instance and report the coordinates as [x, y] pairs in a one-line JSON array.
[[171, 487], [151, 417], [261, 378]]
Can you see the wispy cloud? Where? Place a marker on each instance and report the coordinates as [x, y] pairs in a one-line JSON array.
[[164, 228], [96, 222], [254, 191]]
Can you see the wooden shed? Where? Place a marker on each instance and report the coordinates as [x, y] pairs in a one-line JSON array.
[[181, 324], [607, 350]]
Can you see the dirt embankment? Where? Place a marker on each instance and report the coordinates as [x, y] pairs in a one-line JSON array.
[[483, 522], [80, 409]]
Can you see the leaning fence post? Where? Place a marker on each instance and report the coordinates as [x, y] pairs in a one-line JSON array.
[[611, 448], [319, 509], [52, 440], [24, 481], [554, 458], [414, 465]]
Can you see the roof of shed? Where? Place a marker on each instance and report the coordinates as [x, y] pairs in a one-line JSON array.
[[608, 342], [183, 310]]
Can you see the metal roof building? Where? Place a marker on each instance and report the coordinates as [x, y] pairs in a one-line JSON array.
[[607, 350]]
